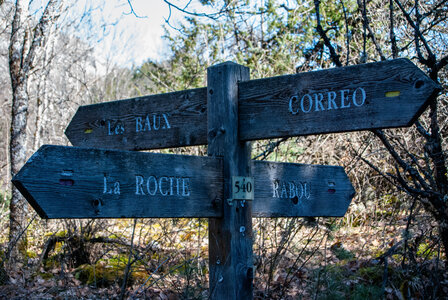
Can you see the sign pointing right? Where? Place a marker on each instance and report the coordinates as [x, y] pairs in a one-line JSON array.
[[368, 96]]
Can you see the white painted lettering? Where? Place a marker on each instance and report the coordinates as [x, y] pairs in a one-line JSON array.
[[164, 186], [310, 101], [284, 193], [331, 102], [152, 122], [117, 188], [147, 124], [292, 190], [138, 185], [161, 185], [275, 189], [299, 185], [178, 185], [307, 195], [138, 124], [108, 129], [154, 119], [148, 185], [363, 97], [185, 187], [291, 100], [344, 98], [167, 124], [318, 101], [171, 185], [105, 185], [109, 189]]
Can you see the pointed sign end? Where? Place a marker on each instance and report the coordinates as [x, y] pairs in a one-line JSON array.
[[23, 190]]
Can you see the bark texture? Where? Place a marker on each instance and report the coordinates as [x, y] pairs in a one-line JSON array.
[[25, 44]]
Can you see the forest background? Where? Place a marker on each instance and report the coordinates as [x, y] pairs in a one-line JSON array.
[[392, 242]]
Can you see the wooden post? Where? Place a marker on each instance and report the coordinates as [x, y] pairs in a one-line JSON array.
[[230, 237]]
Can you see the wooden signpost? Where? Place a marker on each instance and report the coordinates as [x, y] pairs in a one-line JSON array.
[[149, 122], [228, 188], [69, 182], [375, 95], [369, 96]]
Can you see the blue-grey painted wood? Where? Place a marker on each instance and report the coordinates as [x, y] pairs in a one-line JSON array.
[[298, 190], [376, 95], [150, 122], [230, 237], [69, 182]]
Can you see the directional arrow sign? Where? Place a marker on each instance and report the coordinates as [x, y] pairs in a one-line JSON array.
[[297, 190], [376, 95], [67, 182], [150, 122]]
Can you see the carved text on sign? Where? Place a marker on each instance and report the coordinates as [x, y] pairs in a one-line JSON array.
[[330, 100], [152, 122], [111, 187], [291, 189], [162, 186]]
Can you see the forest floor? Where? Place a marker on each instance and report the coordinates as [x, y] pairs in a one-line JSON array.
[[305, 261]]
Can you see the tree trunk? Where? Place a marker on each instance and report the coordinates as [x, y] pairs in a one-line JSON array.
[[17, 143], [17, 150], [23, 46], [443, 231]]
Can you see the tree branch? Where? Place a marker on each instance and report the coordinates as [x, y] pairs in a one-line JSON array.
[[418, 34], [334, 56], [48, 18], [393, 38], [371, 33], [412, 171]]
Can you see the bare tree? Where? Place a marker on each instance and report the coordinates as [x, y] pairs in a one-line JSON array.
[[25, 42], [419, 165]]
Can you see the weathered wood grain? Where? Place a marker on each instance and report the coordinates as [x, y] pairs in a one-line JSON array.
[[68, 182], [386, 94], [298, 190], [230, 237], [149, 122]]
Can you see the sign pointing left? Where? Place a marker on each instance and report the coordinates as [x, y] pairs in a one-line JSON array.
[[68, 182], [150, 122]]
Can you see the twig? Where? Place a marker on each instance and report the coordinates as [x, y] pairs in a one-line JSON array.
[[347, 34], [132, 12], [366, 26], [334, 56], [270, 147], [418, 34], [13, 243], [128, 266], [147, 279], [393, 38], [400, 161]]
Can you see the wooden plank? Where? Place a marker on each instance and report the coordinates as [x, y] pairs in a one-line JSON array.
[[375, 95], [298, 190], [68, 182], [230, 237], [150, 122]]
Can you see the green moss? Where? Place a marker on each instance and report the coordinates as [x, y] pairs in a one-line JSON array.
[[425, 250], [52, 262], [372, 274], [46, 276], [31, 254], [100, 274], [340, 252], [108, 272]]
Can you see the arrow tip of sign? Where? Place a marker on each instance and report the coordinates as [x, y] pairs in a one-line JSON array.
[[24, 191]]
